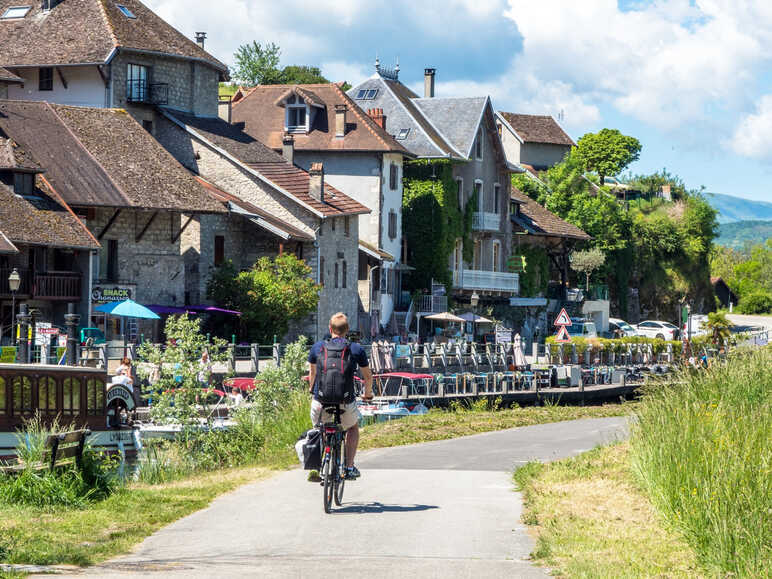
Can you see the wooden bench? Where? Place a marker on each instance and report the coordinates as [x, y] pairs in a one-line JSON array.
[[59, 450]]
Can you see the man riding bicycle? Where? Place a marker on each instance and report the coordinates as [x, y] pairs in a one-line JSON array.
[[331, 379]]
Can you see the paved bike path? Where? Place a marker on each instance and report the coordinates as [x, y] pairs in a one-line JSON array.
[[441, 509]]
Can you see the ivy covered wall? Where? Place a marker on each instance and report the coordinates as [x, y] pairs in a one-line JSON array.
[[432, 221]]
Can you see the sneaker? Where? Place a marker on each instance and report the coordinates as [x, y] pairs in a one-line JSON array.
[[352, 473], [313, 476]]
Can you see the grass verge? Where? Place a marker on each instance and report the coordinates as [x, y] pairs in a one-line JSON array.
[[593, 520], [440, 424], [106, 528]]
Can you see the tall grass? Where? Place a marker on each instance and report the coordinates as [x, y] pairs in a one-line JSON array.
[[703, 450]]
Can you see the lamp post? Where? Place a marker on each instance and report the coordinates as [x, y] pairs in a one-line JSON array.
[[14, 282], [689, 322]]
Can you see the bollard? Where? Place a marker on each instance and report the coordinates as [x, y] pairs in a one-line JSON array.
[[276, 354], [71, 321]]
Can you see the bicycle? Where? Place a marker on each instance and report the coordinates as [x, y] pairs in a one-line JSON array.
[[333, 465]]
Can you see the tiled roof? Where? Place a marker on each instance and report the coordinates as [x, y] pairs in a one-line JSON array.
[[87, 31], [376, 252], [538, 220], [538, 129], [12, 156], [271, 166], [42, 219], [457, 119], [102, 157], [9, 77], [6, 246], [263, 115], [273, 221]]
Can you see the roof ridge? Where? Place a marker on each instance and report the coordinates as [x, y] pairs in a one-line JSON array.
[[359, 112], [89, 153], [64, 204], [109, 23]]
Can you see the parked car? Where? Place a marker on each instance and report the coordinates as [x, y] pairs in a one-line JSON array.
[[95, 333], [619, 328], [581, 328], [698, 328], [657, 329]]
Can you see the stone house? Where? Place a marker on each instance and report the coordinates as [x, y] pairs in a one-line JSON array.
[[537, 142], [41, 239], [105, 54], [361, 157], [462, 130], [274, 206], [133, 197]]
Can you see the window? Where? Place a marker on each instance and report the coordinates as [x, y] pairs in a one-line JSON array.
[[496, 254], [219, 250], [136, 83], [392, 224], [477, 263], [402, 135], [296, 114], [393, 176], [126, 12], [460, 193], [332, 224], [321, 271], [46, 78], [347, 226], [112, 260], [478, 190], [71, 397], [47, 395], [458, 255], [367, 94], [344, 274], [478, 146], [361, 94], [23, 183], [335, 283], [15, 12], [148, 126], [496, 197]]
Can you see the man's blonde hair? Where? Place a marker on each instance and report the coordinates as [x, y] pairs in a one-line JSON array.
[[339, 324]]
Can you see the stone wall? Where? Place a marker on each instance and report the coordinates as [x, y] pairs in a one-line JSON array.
[[335, 248]]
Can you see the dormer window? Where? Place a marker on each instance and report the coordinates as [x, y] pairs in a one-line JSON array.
[[402, 135], [297, 115], [15, 12], [23, 183], [126, 12]]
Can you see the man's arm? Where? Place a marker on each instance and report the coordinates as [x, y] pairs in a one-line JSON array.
[[367, 375], [311, 377]]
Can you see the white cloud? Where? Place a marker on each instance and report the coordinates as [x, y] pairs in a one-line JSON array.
[[753, 136]]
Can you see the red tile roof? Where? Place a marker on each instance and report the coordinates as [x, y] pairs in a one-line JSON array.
[[262, 113], [539, 220], [538, 129]]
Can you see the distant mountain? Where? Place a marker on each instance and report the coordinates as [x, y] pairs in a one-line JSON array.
[[731, 209], [735, 235]]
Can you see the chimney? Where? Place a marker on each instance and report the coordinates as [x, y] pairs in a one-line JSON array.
[[316, 182], [378, 116], [288, 148], [340, 120], [200, 38], [429, 82]]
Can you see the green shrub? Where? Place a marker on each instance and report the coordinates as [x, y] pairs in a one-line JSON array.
[[701, 448], [757, 302]]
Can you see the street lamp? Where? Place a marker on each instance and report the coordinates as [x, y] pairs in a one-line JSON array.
[[474, 299], [14, 282]]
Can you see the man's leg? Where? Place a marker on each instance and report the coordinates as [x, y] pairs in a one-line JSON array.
[[352, 441]]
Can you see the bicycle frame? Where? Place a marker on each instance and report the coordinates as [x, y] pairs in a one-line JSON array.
[[333, 465]]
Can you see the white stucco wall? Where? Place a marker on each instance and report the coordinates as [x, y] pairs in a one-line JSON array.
[[511, 144], [543, 154], [84, 87]]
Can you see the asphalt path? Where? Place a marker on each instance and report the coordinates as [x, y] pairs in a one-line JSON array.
[[748, 323], [441, 509]]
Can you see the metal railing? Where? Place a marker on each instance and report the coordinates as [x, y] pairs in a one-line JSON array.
[[140, 91], [434, 304], [484, 221], [474, 279], [57, 285]]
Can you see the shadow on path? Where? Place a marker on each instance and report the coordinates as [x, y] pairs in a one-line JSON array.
[[376, 507]]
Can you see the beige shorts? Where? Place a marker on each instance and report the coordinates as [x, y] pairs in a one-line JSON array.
[[348, 418]]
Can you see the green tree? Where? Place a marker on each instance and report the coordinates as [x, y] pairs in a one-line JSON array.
[[718, 326], [587, 261], [257, 64], [295, 74], [270, 295], [607, 152]]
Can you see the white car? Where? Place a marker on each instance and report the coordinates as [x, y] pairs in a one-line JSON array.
[[657, 329], [617, 327]]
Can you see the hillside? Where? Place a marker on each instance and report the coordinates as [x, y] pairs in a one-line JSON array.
[[731, 209], [735, 235]]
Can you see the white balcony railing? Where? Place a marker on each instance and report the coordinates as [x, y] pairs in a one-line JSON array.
[[472, 279], [484, 221]]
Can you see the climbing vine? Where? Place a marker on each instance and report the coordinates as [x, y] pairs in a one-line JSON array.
[[535, 278], [433, 220]]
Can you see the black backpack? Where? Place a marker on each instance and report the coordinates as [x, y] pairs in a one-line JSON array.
[[335, 373]]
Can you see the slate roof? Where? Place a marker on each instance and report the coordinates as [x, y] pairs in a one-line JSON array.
[[42, 219], [102, 158], [456, 118], [87, 32], [538, 220], [262, 113], [263, 217], [538, 129], [288, 178], [15, 157], [8, 77]]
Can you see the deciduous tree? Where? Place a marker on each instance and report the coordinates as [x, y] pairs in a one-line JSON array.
[[607, 152], [587, 261]]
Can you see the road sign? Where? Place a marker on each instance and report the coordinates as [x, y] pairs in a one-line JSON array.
[[563, 319], [563, 335]]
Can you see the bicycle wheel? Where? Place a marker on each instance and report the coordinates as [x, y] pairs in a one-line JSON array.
[[328, 488], [340, 465]]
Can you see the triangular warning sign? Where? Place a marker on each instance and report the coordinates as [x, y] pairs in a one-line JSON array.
[[563, 319], [563, 335]]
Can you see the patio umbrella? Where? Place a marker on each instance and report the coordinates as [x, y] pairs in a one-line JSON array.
[[127, 309], [518, 352], [445, 317], [475, 319]]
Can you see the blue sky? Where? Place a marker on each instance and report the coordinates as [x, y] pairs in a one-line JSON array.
[[691, 79]]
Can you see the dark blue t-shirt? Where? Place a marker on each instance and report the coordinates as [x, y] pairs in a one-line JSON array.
[[358, 355]]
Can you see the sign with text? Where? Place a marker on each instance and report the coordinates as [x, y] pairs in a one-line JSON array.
[[120, 392], [7, 355], [113, 293], [503, 335]]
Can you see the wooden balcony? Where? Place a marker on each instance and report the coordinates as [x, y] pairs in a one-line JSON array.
[[51, 285]]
